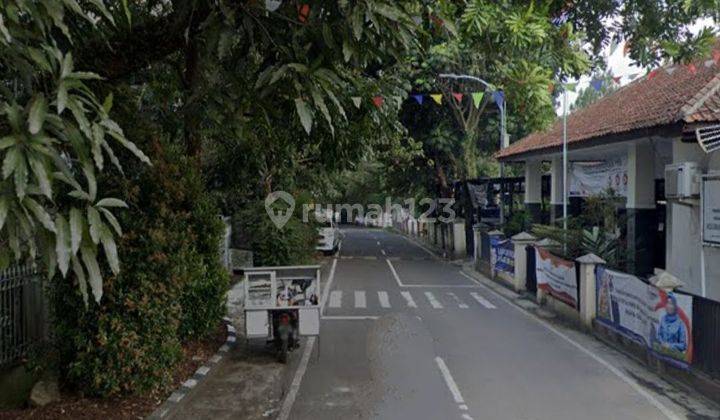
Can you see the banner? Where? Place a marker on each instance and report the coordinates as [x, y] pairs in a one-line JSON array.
[[503, 255], [654, 318], [594, 178], [556, 276]]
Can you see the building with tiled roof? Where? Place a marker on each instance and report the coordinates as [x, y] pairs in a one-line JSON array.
[[653, 142]]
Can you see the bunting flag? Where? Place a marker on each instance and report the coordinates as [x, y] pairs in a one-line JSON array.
[[417, 19], [716, 56], [378, 101], [709, 63], [617, 79], [671, 70], [437, 97], [626, 48], [633, 76], [570, 87], [652, 74], [596, 84], [419, 99], [551, 87], [357, 101], [303, 12], [272, 5], [458, 96], [691, 67], [477, 98], [499, 98]]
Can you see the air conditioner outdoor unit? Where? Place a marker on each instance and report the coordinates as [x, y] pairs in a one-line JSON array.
[[682, 180]]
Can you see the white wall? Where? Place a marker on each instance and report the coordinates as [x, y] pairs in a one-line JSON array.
[[684, 243]]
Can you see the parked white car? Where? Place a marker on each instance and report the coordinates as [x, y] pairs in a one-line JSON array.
[[328, 238]]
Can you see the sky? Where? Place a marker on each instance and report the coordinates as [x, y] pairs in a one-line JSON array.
[[619, 65]]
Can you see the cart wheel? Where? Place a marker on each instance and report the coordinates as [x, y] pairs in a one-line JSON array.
[[283, 354]]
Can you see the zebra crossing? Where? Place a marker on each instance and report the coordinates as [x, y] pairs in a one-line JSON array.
[[361, 299]]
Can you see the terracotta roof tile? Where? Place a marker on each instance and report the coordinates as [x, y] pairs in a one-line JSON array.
[[647, 102]]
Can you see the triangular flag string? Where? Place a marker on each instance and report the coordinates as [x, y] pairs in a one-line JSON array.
[[357, 101], [272, 5], [498, 96], [378, 101], [477, 98]]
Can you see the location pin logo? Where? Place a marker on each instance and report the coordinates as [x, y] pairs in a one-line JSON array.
[[279, 217]]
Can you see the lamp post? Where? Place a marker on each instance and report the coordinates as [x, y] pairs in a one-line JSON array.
[[503, 129]]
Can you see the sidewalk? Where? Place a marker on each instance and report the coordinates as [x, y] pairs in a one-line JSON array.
[[247, 382]]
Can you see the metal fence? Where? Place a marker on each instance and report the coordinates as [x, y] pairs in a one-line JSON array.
[[22, 312]]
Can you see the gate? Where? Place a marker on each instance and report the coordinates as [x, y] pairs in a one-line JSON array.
[[531, 275]]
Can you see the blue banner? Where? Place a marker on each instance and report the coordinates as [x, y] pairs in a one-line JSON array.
[[503, 255]]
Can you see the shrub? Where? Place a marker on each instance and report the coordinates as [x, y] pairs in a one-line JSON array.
[[293, 244], [171, 286]]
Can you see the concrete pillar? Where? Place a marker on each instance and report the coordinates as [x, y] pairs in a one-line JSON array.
[[459, 242], [556, 189], [533, 189], [588, 289], [520, 241], [477, 230], [641, 213]]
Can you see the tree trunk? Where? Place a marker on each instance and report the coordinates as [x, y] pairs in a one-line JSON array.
[[191, 120]]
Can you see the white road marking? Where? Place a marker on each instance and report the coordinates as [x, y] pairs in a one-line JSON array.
[[427, 286], [331, 277], [335, 299], [434, 302], [378, 242], [350, 318], [384, 300], [409, 299], [481, 300], [297, 380], [382, 251], [460, 303], [463, 407], [449, 381], [467, 417], [625, 378], [395, 274], [360, 301]]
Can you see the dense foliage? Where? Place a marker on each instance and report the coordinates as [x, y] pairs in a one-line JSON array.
[[172, 287]]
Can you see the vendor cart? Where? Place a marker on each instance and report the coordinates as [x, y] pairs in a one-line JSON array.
[[282, 304]]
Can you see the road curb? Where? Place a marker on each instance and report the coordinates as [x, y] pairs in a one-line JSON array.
[[199, 376]]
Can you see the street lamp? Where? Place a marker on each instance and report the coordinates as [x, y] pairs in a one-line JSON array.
[[503, 129]]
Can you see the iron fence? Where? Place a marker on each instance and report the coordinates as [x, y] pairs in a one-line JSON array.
[[22, 312]]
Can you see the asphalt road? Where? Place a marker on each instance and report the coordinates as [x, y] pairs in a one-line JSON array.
[[407, 336]]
